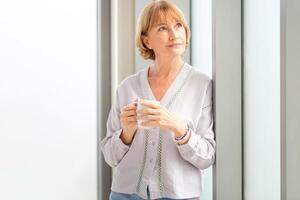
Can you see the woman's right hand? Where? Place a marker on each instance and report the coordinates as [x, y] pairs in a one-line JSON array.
[[128, 118]]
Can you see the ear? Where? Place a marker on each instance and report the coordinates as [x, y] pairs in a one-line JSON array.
[[146, 42]]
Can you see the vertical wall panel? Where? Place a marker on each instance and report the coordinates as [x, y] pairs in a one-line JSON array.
[[292, 99], [104, 93], [261, 99], [227, 99]]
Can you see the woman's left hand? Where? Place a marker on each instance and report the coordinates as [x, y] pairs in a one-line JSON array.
[[159, 116]]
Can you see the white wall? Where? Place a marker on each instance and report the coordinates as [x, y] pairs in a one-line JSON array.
[[48, 109], [262, 99]]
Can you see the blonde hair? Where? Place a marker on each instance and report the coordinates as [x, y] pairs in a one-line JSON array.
[[153, 13]]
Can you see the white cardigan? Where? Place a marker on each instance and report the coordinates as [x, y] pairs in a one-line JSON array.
[[153, 158]]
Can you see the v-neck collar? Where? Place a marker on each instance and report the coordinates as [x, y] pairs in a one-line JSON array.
[[171, 90]]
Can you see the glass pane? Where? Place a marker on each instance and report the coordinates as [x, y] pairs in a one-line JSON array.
[[261, 99], [201, 58]]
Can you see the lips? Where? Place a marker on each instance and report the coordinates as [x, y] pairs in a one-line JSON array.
[[174, 45]]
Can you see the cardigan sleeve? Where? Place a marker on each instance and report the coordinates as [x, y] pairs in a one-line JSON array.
[[200, 149], [112, 146]]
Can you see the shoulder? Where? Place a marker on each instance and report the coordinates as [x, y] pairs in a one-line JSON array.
[[131, 80], [199, 78]]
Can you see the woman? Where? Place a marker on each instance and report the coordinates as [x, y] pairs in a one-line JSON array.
[[167, 161]]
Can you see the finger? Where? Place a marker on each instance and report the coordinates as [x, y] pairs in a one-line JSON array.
[[128, 113], [148, 111], [132, 106], [124, 117], [128, 119], [131, 123], [148, 103], [148, 117], [131, 119], [129, 107]]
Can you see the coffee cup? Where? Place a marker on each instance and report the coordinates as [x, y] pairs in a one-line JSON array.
[[141, 106]]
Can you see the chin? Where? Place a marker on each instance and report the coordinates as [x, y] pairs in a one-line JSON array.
[[178, 52]]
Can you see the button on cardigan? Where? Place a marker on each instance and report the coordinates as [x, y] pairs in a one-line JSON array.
[[154, 158]]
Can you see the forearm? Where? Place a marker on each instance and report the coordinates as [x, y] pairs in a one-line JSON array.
[[126, 137], [113, 148], [180, 129], [198, 150]]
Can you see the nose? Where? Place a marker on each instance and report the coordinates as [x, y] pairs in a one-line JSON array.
[[173, 33]]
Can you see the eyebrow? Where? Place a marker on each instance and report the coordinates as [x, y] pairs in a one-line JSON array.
[[160, 24], [165, 23]]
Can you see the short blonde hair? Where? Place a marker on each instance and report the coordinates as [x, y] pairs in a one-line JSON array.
[[153, 13]]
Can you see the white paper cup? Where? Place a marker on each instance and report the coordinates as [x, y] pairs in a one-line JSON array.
[[140, 106]]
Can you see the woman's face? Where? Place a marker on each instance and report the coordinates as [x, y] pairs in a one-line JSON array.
[[167, 39]]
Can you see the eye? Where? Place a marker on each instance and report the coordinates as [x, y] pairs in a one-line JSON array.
[[162, 28], [179, 24]]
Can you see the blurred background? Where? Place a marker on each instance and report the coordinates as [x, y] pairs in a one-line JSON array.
[[61, 61]]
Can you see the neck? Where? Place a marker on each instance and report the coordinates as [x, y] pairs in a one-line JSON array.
[[164, 68]]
